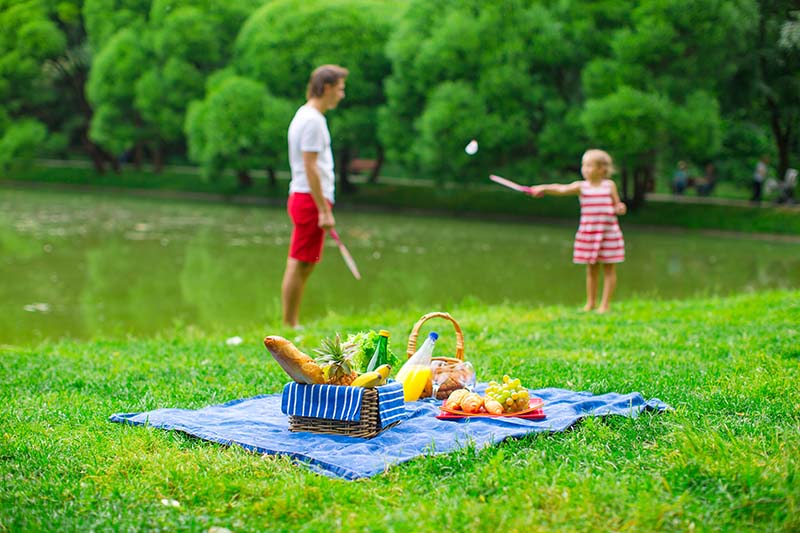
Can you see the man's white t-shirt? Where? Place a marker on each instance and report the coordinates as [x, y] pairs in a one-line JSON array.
[[308, 132]]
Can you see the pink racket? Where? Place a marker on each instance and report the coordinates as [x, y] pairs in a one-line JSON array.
[[348, 259], [510, 184]]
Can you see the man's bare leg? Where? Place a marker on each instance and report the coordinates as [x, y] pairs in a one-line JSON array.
[[592, 273], [294, 282], [609, 284]]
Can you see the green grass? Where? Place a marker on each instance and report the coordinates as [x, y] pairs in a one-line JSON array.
[[727, 458], [466, 200]]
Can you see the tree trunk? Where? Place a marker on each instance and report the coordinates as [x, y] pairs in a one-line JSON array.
[[373, 176], [639, 186], [273, 178], [99, 156], [782, 141], [138, 155], [245, 181], [624, 184], [343, 161], [158, 158]]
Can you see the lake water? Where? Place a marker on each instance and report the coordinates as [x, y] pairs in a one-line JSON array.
[[87, 265]]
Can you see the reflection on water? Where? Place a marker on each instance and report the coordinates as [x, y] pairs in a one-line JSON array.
[[86, 265]]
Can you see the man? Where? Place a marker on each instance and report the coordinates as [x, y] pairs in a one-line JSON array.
[[311, 190], [759, 176]]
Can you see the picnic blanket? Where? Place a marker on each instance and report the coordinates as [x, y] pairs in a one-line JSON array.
[[258, 425]]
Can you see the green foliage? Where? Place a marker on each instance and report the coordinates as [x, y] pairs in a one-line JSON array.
[[187, 33], [521, 60], [743, 143], [654, 99], [28, 38], [111, 87], [20, 140], [104, 18], [239, 125], [283, 41], [454, 113], [161, 96], [629, 122]]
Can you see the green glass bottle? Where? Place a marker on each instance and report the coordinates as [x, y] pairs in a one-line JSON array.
[[381, 355]]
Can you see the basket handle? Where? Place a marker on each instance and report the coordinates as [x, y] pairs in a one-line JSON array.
[[412, 338]]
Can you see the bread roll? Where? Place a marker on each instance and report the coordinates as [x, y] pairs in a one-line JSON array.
[[454, 400], [492, 406], [471, 403], [298, 365]]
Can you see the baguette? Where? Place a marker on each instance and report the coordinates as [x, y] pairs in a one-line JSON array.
[[298, 365]]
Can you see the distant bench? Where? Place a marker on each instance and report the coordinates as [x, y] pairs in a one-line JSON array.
[[358, 166]]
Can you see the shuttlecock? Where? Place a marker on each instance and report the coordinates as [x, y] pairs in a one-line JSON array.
[[472, 147]]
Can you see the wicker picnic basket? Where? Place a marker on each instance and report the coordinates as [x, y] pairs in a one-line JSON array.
[[446, 364], [367, 427]]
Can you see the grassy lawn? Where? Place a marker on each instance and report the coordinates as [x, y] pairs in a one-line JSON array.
[[727, 458], [470, 199]]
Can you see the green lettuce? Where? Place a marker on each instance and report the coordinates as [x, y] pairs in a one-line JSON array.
[[365, 342]]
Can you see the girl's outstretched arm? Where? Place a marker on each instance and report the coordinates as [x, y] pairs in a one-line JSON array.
[[619, 206], [556, 189]]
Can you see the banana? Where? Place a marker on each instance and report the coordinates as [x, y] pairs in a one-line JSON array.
[[384, 370], [367, 380]]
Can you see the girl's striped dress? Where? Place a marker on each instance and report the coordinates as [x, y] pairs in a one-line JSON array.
[[599, 239]]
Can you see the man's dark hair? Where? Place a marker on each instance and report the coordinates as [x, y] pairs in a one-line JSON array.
[[322, 76]]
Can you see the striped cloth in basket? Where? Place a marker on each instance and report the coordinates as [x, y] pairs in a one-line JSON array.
[[341, 403]]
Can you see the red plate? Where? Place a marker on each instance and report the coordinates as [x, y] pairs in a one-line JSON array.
[[534, 405]]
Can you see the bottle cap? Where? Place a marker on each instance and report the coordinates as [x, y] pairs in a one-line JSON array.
[[433, 335], [383, 333]]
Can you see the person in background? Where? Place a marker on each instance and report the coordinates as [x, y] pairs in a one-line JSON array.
[[680, 179], [599, 239], [311, 190], [705, 185], [759, 176]]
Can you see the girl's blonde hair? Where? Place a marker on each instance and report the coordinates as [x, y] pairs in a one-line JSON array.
[[603, 158]]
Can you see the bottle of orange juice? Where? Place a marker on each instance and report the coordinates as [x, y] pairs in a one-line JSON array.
[[417, 370]]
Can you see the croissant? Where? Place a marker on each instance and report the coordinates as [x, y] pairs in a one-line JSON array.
[[472, 403], [298, 365], [492, 406], [455, 398]]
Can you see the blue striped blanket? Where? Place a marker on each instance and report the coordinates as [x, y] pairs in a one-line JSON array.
[[341, 403]]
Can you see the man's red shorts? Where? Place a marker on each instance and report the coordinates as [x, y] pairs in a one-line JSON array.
[[307, 236]]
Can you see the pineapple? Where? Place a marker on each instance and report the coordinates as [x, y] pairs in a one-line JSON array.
[[336, 360]]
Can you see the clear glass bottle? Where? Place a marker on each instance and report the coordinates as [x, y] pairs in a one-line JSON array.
[[416, 372]]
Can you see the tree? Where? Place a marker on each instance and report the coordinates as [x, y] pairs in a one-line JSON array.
[[653, 97], [104, 18], [43, 66], [153, 60], [777, 80], [190, 40], [239, 126], [513, 72], [283, 41], [634, 125], [116, 124]]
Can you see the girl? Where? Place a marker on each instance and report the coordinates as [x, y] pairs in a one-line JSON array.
[[599, 239]]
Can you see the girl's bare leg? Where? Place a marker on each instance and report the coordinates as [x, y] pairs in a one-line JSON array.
[[609, 284], [592, 274]]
